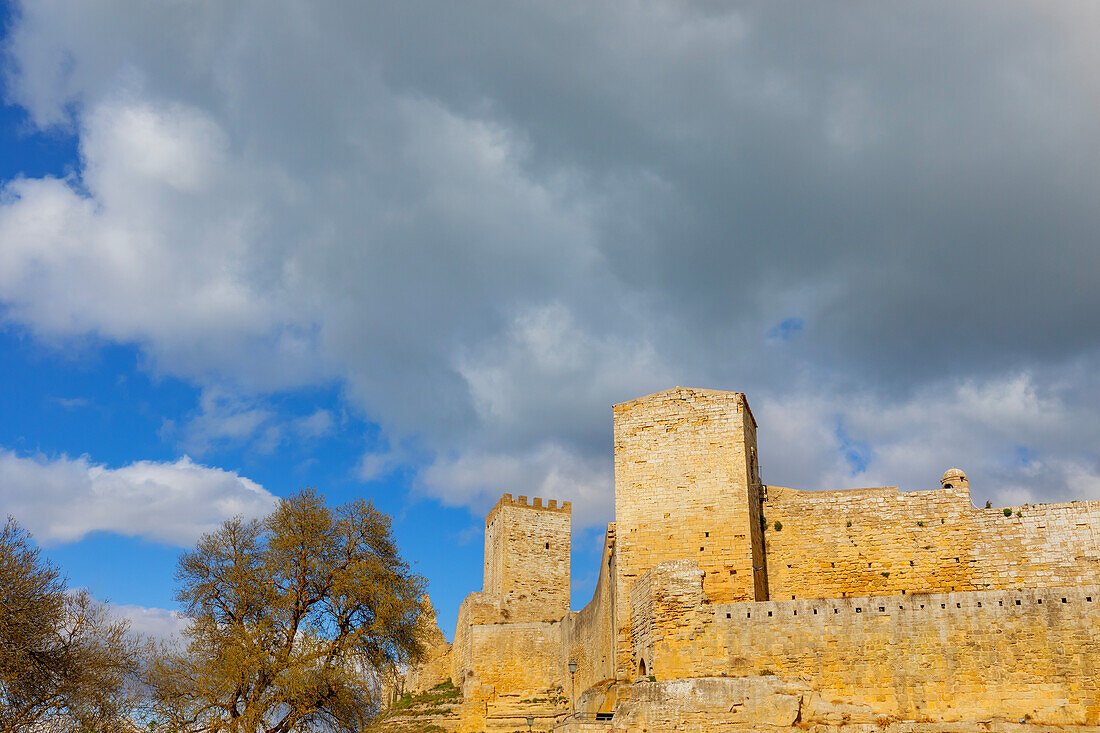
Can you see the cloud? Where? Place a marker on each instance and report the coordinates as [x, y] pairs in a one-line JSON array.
[[64, 499], [487, 224], [157, 623]]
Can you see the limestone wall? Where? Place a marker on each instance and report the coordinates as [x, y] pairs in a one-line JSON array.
[[517, 658], [1048, 545], [879, 541], [683, 489], [953, 656], [588, 636], [867, 541], [476, 608], [527, 556]]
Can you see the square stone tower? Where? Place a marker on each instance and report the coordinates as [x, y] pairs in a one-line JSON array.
[[687, 486], [527, 556]]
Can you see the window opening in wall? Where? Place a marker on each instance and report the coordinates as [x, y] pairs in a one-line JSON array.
[[769, 614], [706, 534], [729, 615], [979, 604], [859, 610], [796, 612], [882, 609], [700, 549], [1088, 599], [833, 564], [1063, 600], [1000, 603], [733, 572], [815, 612], [836, 611], [641, 668], [1017, 603], [958, 605], [942, 605], [748, 615], [547, 545], [1040, 600], [910, 563]]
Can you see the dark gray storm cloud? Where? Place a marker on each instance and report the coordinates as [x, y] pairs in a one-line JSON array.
[[491, 221]]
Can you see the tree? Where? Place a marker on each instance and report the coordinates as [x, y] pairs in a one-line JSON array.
[[293, 618], [65, 663]]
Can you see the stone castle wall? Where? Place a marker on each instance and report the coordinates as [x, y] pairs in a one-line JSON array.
[[588, 636], [834, 544], [951, 656]]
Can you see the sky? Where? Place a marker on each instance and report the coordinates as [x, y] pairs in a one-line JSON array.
[[413, 252]]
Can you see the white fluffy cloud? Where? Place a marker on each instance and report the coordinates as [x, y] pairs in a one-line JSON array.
[[157, 623], [64, 499], [490, 223]]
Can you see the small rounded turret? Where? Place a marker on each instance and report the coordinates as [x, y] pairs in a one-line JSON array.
[[953, 478]]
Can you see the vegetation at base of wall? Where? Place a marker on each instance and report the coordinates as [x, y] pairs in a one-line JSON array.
[[427, 702], [652, 678], [1008, 512], [767, 673]]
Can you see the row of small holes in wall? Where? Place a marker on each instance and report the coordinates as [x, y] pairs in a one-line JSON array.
[[882, 609]]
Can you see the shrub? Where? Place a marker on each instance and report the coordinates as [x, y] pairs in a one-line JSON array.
[[1008, 512], [885, 574], [988, 504], [920, 523], [1019, 513], [849, 523], [778, 525]]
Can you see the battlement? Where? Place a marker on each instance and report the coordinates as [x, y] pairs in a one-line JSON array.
[[520, 502]]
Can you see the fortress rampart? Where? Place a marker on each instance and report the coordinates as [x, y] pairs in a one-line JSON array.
[[723, 603]]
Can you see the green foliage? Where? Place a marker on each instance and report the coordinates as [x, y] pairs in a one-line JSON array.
[[1008, 512], [778, 525], [652, 678], [1019, 513], [920, 523], [885, 574], [767, 673], [988, 504], [848, 523]]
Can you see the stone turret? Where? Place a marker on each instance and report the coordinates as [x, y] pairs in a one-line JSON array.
[[954, 478]]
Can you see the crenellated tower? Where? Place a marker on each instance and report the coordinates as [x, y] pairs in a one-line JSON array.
[[527, 557]]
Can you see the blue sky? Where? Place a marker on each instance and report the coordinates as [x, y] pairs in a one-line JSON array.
[[414, 253]]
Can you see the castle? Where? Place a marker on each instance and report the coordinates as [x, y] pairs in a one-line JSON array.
[[723, 603]]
